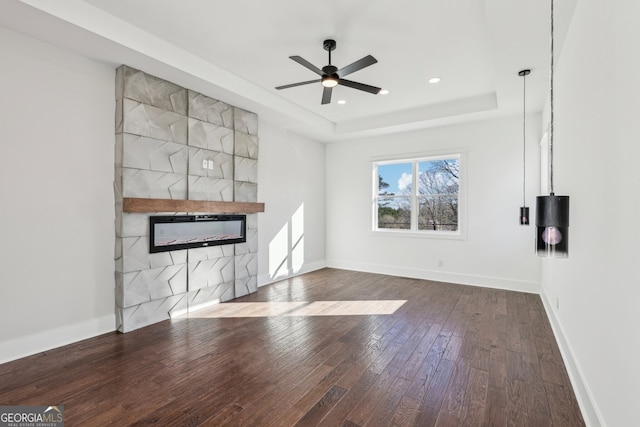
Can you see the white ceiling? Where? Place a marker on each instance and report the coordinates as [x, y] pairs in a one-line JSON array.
[[238, 51]]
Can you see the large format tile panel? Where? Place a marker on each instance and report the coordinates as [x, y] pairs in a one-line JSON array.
[[246, 265], [245, 286], [210, 266], [245, 121], [246, 145], [211, 189], [138, 316], [211, 295], [219, 165], [150, 90], [210, 136], [245, 191], [157, 283], [245, 169], [139, 152], [153, 184], [136, 255], [210, 110], [146, 120]]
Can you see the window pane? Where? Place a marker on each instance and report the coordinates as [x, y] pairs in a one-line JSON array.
[[439, 213], [394, 179], [437, 177], [394, 212]]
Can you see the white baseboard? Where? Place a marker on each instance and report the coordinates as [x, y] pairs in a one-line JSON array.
[[265, 279], [590, 412], [440, 276], [46, 340]]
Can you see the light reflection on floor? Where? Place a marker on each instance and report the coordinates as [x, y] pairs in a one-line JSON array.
[[299, 308]]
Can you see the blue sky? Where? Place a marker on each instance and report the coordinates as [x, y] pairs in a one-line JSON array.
[[396, 175]]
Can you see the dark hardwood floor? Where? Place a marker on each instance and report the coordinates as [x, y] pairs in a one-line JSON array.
[[330, 348]]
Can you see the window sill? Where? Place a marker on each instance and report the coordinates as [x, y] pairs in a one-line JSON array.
[[420, 234]]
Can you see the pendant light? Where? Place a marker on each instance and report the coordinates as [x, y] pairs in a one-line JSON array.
[[524, 210], [552, 212]]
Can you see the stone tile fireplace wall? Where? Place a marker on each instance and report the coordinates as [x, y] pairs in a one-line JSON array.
[[164, 136]]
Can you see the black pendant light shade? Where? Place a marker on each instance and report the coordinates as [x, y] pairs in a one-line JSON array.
[[524, 215], [552, 223]]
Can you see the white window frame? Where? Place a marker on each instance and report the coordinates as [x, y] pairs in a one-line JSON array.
[[460, 234]]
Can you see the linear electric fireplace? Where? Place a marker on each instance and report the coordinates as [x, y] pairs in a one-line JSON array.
[[168, 233]]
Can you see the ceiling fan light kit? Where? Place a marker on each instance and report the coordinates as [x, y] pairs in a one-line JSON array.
[[329, 81], [331, 76]]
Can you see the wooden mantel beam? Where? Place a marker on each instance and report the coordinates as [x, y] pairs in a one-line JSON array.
[[136, 205]]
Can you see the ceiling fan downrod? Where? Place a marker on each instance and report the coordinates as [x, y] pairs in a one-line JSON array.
[[329, 45]]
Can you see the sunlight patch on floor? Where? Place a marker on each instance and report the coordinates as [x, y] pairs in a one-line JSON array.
[[299, 308]]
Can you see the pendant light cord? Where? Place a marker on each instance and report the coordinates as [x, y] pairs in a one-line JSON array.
[[524, 137], [551, 111]]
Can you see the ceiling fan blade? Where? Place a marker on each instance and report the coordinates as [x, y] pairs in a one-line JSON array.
[[360, 86], [307, 64], [358, 65], [326, 95], [299, 84]]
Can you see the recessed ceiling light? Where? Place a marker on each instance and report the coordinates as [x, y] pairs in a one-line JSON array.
[[342, 101], [433, 80], [384, 92]]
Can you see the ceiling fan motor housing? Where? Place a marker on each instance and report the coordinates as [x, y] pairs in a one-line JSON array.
[[330, 70]]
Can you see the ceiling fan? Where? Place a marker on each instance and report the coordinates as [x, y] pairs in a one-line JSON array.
[[330, 76]]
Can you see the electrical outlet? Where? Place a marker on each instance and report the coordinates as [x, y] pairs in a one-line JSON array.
[[211, 164], [204, 164]]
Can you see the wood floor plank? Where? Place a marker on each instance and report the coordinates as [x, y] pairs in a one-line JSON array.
[[516, 403], [406, 412], [537, 404], [324, 405], [550, 360], [496, 407], [416, 359], [434, 394], [564, 408], [383, 413], [445, 355], [497, 374], [453, 347], [473, 408], [340, 412], [422, 379], [373, 397], [455, 394]]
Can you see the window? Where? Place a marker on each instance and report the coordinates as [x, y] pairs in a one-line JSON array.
[[418, 195]]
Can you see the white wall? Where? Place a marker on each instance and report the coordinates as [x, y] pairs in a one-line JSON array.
[[498, 252], [291, 177], [597, 147], [56, 220], [56, 186]]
